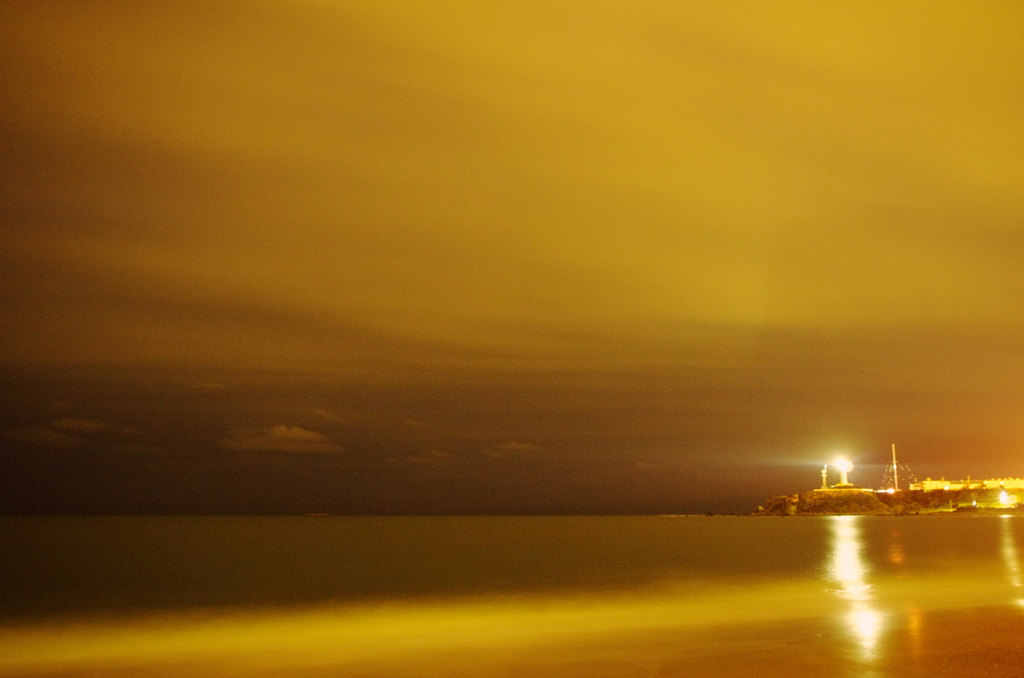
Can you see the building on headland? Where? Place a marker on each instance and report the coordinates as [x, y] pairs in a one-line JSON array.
[[1004, 483], [929, 485]]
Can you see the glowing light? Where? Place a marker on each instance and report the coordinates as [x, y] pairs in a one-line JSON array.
[[844, 467]]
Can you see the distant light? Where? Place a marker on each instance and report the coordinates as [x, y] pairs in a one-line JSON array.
[[1006, 499], [844, 465], [891, 490]]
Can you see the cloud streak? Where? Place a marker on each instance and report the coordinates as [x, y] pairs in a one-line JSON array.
[[278, 438], [91, 427], [69, 432], [43, 437]]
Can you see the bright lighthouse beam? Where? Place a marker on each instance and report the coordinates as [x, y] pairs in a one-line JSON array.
[[844, 467]]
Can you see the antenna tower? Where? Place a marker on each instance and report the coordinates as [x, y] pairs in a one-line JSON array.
[[896, 471]]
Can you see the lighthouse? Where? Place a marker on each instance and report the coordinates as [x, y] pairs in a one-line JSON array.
[[844, 467]]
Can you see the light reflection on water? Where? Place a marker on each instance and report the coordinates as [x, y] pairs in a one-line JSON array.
[[848, 570], [870, 620], [897, 554], [1011, 559]]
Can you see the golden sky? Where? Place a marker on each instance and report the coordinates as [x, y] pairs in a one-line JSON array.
[[795, 197]]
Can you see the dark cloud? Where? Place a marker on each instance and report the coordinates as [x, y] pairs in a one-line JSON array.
[[69, 432], [210, 386], [43, 436], [514, 446], [90, 427], [326, 415], [431, 457], [500, 451], [278, 438]]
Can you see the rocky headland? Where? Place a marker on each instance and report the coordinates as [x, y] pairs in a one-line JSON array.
[[868, 502]]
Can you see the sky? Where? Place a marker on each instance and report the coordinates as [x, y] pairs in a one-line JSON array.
[[505, 257]]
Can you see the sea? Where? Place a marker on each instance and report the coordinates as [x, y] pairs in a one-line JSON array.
[[583, 596]]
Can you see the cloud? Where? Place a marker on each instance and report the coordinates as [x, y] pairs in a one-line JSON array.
[[80, 426], [44, 437], [67, 432], [90, 426], [139, 449], [326, 415], [278, 438], [515, 446], [499, 451], [431, 457]]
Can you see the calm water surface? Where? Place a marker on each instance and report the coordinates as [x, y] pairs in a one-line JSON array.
[[504, 596]]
